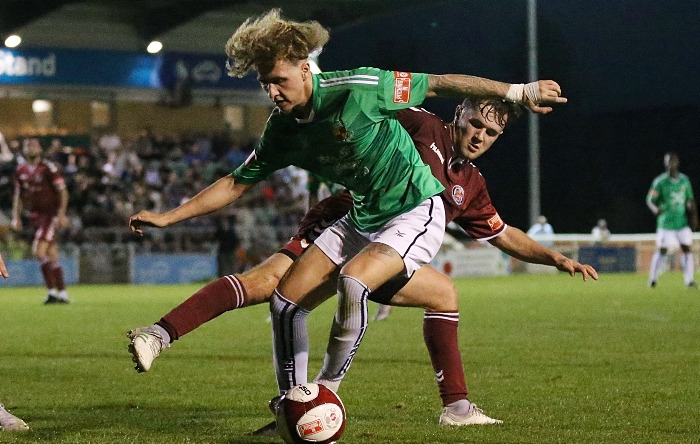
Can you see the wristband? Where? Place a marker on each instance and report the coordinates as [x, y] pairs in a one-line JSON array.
[[515, 93], [532, 91]]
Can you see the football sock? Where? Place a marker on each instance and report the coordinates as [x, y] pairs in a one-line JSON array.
[[656, 263], [461, 407], [291, 342], [349, 326], [46, 272], [57, 273], [688, 268], [440, 336], [224, 294], [164, 333]]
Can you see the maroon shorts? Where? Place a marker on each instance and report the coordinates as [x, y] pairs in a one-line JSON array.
[[318, 218], [323, 215], [45, 227]]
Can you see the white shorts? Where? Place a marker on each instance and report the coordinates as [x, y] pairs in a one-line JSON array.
[[415, 235], [672, 238]]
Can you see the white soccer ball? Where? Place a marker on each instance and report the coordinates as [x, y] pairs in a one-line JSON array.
[[310, 413]]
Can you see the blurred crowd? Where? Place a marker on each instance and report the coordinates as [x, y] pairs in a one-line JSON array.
[[114, 178]]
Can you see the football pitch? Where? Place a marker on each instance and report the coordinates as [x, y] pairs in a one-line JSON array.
[[558, 360]]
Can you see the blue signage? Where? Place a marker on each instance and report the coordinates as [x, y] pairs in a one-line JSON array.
[[27, 273], [172, 269], [84, 67]]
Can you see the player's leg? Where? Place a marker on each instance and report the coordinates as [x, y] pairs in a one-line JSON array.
[[57, 272], [225, 294], [657, 260], [685, 239], [437, 293], [402, 246], [302, 289], [40, 249]]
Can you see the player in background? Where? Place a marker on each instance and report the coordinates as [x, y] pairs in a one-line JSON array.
[[41, 190], [671, 200], [8, 421], [427, 288]]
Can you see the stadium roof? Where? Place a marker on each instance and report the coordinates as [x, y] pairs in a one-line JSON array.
[[181, 25]]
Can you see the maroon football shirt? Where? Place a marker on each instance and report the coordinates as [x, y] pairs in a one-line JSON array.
[[39, 186], [467, 202]]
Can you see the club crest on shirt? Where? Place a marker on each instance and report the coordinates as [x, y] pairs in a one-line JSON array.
[[458, 194], [495, 222], [340, 132]]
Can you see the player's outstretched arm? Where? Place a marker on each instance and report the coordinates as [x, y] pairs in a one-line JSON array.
[[3, 269], [531, 95], [519, 245], [217, 195]]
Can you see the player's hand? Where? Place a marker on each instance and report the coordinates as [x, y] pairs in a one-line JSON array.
[[16, 224], [550, 93], [572, 267], [145, 219]]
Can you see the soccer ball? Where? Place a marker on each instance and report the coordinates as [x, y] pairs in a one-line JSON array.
[[310, 413]]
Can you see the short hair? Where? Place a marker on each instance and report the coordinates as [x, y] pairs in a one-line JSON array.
[[503, 110], [258, 43]]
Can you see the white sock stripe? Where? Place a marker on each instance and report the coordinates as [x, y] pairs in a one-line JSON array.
[[444, 316], [237, 288]]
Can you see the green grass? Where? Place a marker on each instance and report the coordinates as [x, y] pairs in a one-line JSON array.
[[558, 360]]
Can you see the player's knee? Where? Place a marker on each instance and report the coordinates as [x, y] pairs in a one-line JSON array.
[[663, 251], [446, 299], [685, 248]]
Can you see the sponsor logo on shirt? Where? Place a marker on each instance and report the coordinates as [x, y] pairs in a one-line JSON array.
[[437, 151], [458, 195], [402, 87], [495, 222]]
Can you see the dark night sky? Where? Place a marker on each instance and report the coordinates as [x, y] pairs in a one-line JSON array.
[[631, 71]]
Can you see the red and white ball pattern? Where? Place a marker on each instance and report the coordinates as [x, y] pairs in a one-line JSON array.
[[310, 413]]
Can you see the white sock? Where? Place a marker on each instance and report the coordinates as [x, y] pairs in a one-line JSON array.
[[688, 268], [349, 325], [461, 407], [657, 262], [291, 342], [164, 333]]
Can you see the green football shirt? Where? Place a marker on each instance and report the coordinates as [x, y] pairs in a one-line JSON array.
[[670, 195], [352, 138]]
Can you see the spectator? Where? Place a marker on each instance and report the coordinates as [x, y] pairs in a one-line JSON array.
[[542, 231], [600, 232]]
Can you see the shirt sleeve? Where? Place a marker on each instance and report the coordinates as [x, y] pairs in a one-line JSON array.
[[689, 190], [263, 161], [399, 90]]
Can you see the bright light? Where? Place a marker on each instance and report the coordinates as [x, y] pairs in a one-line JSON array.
[[42, 106], [13, 41], [154, 47]]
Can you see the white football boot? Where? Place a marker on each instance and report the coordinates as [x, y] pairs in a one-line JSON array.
[[145, 346], [10, 422], [475, 416]]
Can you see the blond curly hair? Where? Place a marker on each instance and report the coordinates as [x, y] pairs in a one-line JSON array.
[[258, 43]]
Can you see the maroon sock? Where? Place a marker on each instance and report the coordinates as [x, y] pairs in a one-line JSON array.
[[440, 335], [224, 294], [48, 275], [57, 273]]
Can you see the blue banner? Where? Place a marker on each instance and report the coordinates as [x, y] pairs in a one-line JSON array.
[[85, 67], [609, 259], [27, 273], [172, 269]]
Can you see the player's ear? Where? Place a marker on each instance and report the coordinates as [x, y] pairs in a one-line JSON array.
[[305, 68]]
